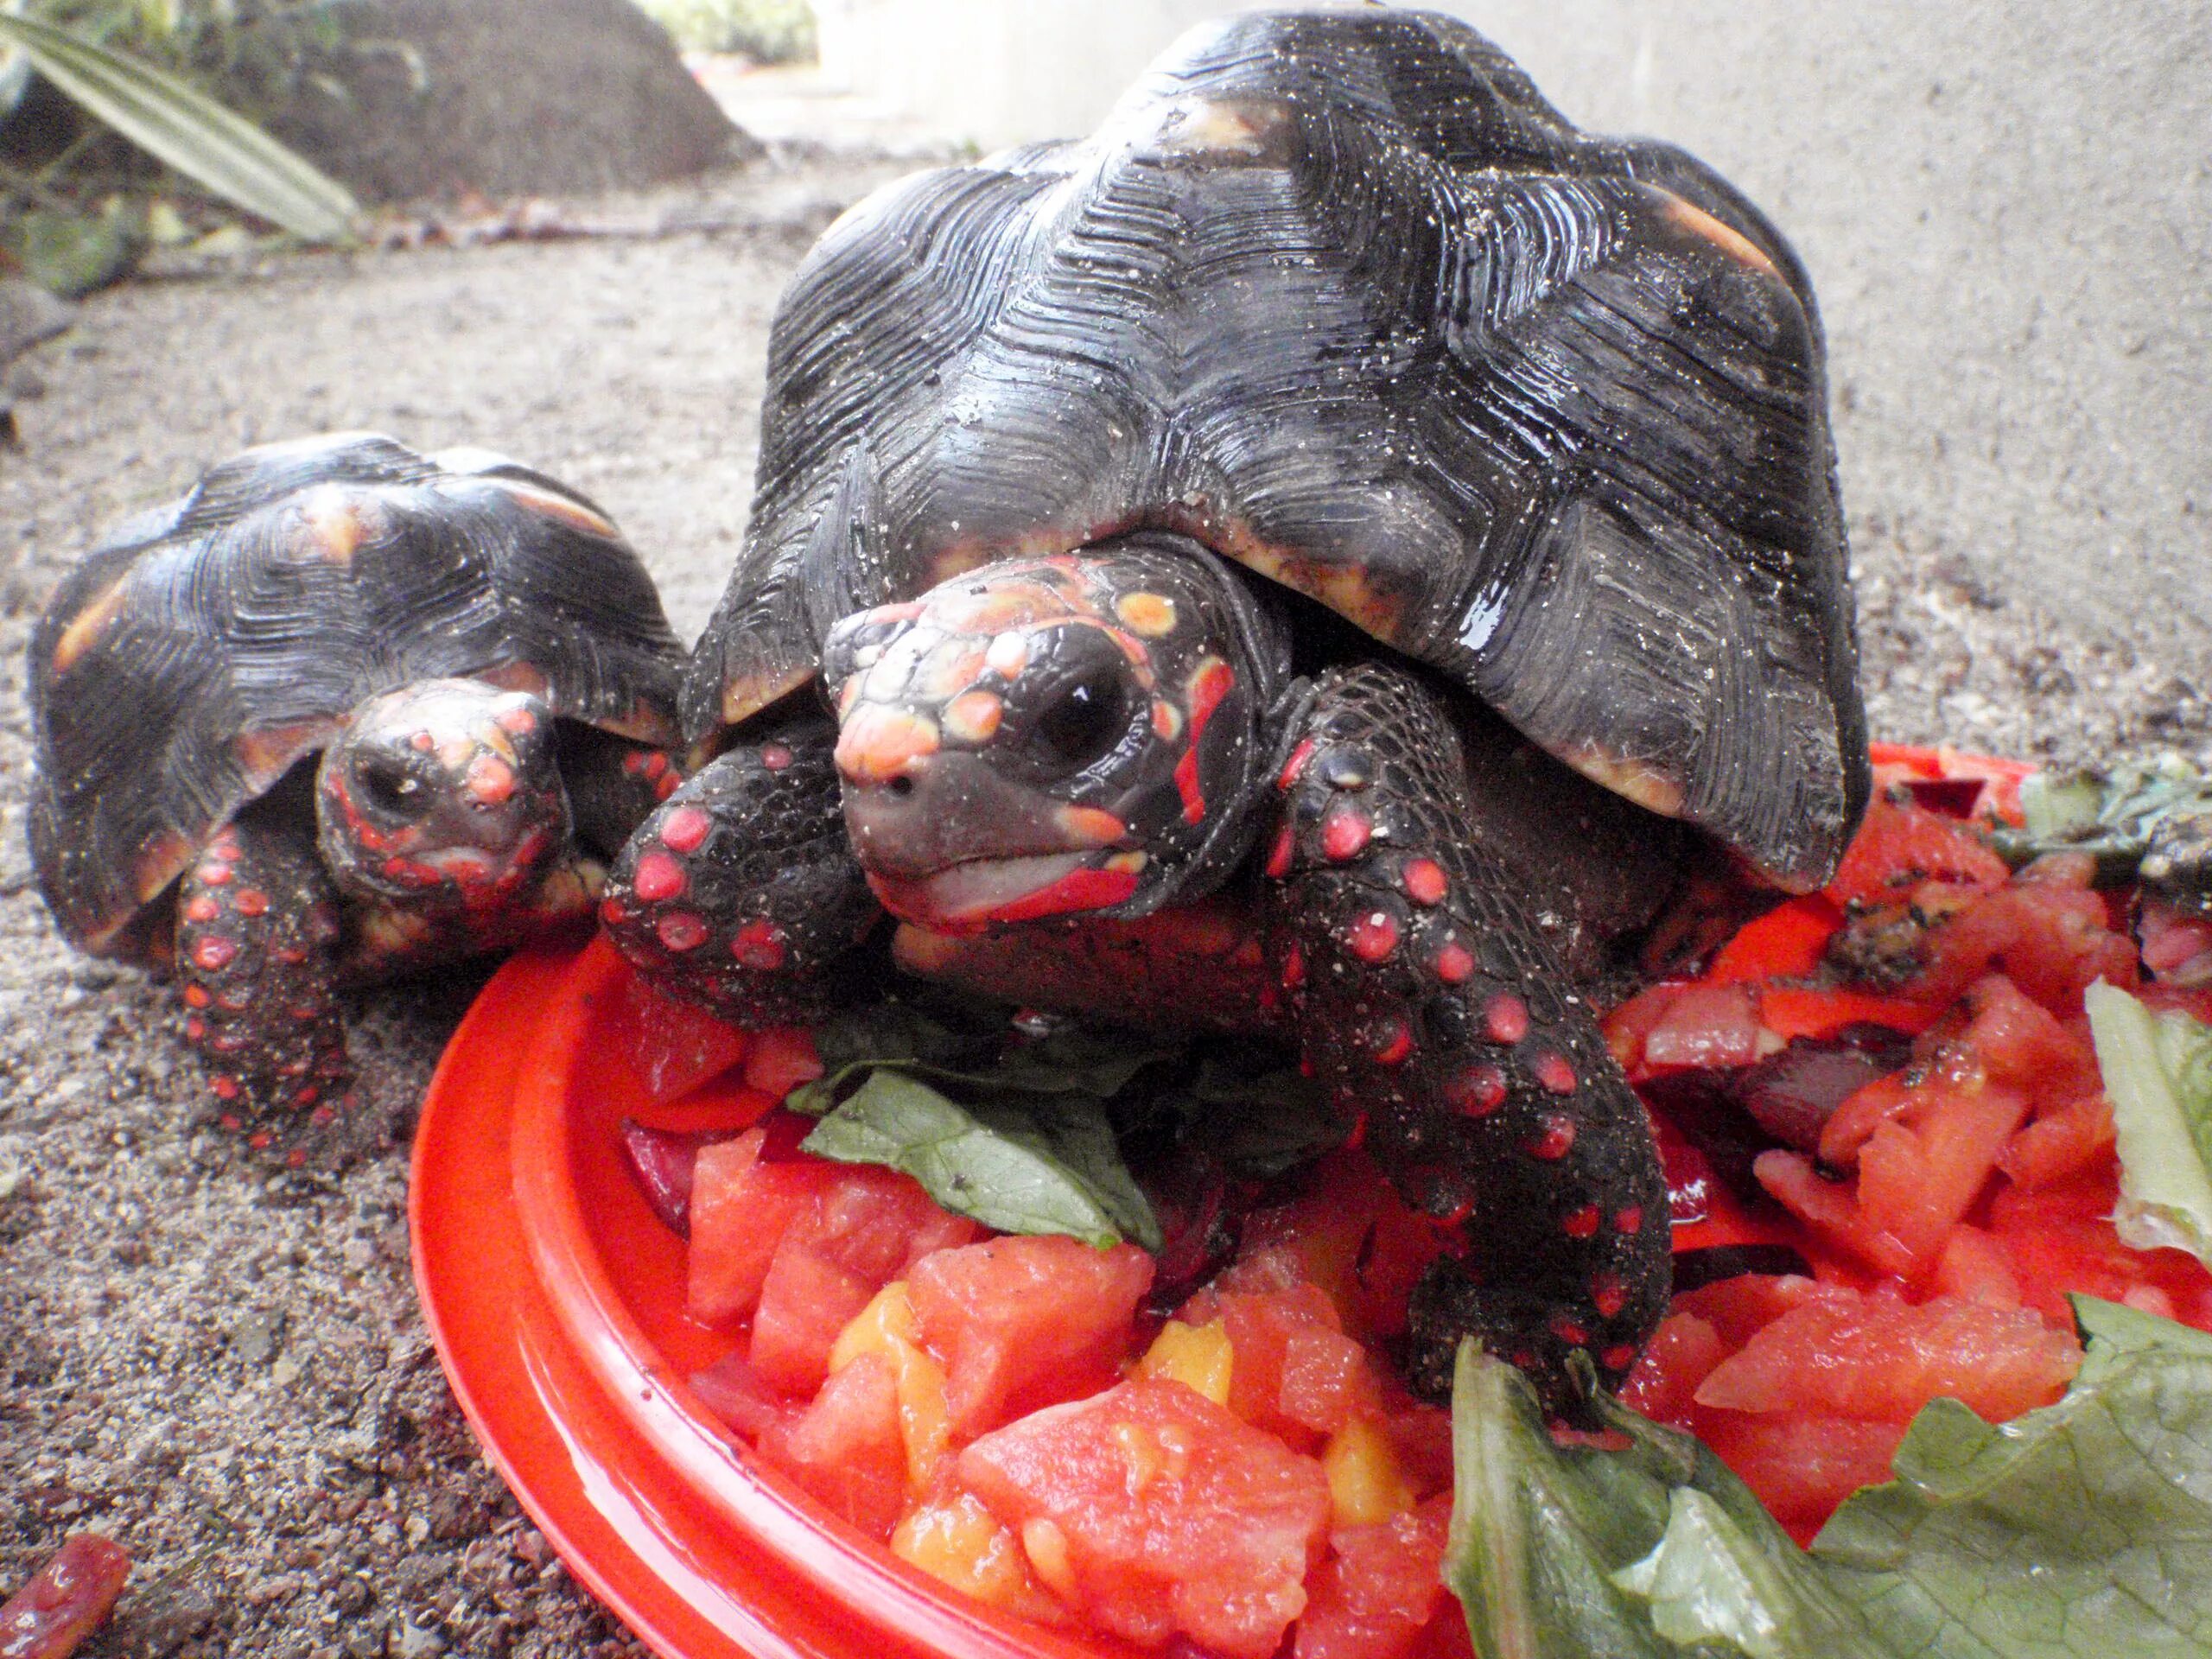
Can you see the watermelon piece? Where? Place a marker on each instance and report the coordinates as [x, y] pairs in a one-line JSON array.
[[2061, 1144], [1709, 1027], [864, 1226], [780, 1059], [1156, 1512], [674, 1046], [1021, 1321], [1901, 844], [1681, 1353], [847, 1448], [1377, 1587], [741, 1207], [1294, 1372], [734, 1392], [1802, 1464], [1879, 1359], [1915, 1184]]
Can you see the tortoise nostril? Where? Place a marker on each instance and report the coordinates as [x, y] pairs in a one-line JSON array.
[[902, 786]]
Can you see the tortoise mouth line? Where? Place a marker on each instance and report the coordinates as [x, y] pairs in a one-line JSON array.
[[977, 891]]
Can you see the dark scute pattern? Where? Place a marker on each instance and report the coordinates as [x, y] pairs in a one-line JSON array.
[[1340, 295], [233, 620]]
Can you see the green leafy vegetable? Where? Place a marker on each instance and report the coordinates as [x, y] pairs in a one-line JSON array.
[[2157, 1070], [194, 134], [1256, 1116], [2110, 815], [1046, 1165], [2079, 1531]]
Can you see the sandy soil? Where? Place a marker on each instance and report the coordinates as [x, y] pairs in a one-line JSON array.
[[236, 1384]]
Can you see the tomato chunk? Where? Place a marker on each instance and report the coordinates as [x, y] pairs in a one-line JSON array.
[[1377, 1588], [1880, 1359], [1017, 1321], [1156, 1511]]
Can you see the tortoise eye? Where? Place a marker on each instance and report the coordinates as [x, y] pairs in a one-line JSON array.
[[1084, 718], [390, 788]]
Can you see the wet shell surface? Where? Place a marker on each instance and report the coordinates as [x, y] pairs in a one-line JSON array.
[[1339, 295], [206, 646]]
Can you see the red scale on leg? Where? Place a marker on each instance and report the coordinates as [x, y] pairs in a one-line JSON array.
[[251, 929], [684, 829], [1506, 1018], [1373, 937], [658, 877], [1540, 1115], [1344, 832]]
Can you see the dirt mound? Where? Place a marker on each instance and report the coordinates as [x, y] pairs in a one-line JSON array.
[[508, 97]]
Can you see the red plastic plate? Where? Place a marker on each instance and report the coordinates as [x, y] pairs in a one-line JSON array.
[[556, 1299]]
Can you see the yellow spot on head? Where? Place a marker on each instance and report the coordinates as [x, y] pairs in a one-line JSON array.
[[973, 716], [88, 625], [954, 663], [1167, 721], [878, 743], [1008, 655], [1088, 826], [1152, 615]]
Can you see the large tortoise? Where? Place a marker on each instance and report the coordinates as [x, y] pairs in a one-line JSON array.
[[478, 659], [1322, 554]]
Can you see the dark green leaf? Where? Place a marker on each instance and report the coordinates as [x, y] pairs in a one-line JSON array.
[[1255, 1118], [1051, 1167]]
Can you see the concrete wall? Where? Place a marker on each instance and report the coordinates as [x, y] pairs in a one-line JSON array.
[[2007, 209]]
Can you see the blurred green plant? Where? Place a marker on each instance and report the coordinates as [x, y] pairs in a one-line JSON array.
[[768, 31], [71, 222]]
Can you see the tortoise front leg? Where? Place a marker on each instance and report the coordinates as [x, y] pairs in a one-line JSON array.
[[256, 935], [1434, 1011], [741, 894]]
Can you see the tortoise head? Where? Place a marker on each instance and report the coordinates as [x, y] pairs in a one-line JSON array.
[[442, 795], [1084, 732]]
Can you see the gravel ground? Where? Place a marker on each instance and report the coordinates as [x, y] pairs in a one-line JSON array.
[[235, 1383]]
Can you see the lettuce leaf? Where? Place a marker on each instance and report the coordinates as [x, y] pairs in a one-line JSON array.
[[1046, 1164], [2080, 1531], [2158, 1071]]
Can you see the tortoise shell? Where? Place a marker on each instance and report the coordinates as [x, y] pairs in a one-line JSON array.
[[1340, 297], [206, 646]]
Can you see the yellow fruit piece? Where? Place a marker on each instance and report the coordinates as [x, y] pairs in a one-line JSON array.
[[1366, 1486], [1046, 1546], [886, 1327], [959, 1543], [887, 1319], [1198, 1356]]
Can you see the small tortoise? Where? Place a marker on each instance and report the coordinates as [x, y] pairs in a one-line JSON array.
[[1324, 555], [421, 621]]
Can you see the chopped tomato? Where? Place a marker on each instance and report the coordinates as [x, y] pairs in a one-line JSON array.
[[1376, 1588], [1156, 1511], [740, 1208], [1020, 1321], [1880, 1359], [1707, 1026], [1901, 844]]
